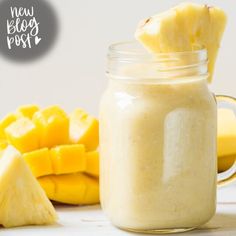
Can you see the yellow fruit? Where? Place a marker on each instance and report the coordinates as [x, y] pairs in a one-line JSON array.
[[186, 27], [5, 122], [39, 162], [23, 135], [68, 159], [92, 167], [71, 188], [226, 137], [84, 129], [225, 162], [22, 200], [53, 126], [27, 110]]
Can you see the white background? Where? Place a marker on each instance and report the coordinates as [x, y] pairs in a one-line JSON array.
[[72, 73]]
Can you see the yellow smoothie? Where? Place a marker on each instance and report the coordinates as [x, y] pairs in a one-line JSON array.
[[158, 153]]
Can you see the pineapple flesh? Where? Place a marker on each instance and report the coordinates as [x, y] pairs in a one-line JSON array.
[[186, 27], [22, 200]]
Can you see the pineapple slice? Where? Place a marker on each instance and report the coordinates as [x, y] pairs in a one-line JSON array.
[[22, 200], [184, 28]]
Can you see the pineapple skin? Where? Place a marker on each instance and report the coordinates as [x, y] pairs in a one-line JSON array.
[[186, 27], [22, 200]]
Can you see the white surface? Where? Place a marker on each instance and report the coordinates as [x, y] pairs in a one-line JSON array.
[[72, 74], [90, 221]]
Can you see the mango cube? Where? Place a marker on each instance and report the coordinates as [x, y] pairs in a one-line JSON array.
[[27, 111], [23, 135], [84, 129], [53, 126], [39, 162], [5, 122], [92, 167], [68, 158], [71, 188], [226, 137]]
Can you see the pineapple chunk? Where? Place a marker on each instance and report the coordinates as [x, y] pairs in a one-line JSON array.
[[53, 126], [226, 137], [23, 135], [27, 111], [22, 200], [5, 122], [84, 129], [71, 188], [92, 167], [184, 28], [39, 162], [68, 159]]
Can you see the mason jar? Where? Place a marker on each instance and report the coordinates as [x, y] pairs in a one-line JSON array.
[[158, 124]]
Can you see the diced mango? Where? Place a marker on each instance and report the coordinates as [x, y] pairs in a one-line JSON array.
[[68, 159], [27, 111], [5, 122], [23, 135], [92, 167], [53, 125], [225, 162], [39, 162], [226, 137], [71, 188], [84, 129]]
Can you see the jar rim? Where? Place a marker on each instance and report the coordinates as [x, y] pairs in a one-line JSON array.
[[132, 48]]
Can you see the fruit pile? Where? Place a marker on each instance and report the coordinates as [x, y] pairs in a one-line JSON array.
[[59, 149]]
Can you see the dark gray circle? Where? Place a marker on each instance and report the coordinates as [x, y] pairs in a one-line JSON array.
[[24, 45]]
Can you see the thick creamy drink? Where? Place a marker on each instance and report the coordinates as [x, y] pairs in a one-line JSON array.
[[158, 150]]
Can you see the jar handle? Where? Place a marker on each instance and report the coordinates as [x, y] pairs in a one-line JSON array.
[[228, 176]]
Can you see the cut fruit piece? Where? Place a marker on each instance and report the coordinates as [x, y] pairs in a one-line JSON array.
[[27, 111], [53, 126], [68, 159], [225, 162], [226, 137], [71, 188], [84, 129], [22, 200], [5, 122], [39, 162], [92, 167], [184, 28], [23, 135]]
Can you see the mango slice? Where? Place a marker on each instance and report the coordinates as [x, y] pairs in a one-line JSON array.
[[39, 162], [84, 129], [23, 135], [71, 188], [92, 167], [53, 126], [225, 162], [5, 122], [27, 111], [226, 137], [68, 159]]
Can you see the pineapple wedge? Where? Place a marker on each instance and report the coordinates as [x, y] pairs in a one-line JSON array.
[[22, 200], [186, 27]]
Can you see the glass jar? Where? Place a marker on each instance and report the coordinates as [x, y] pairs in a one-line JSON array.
[[157, 140]]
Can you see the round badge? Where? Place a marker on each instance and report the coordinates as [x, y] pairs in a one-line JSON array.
[[28, 29]]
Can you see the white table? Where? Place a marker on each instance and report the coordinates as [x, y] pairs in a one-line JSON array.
[[90, 221]]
